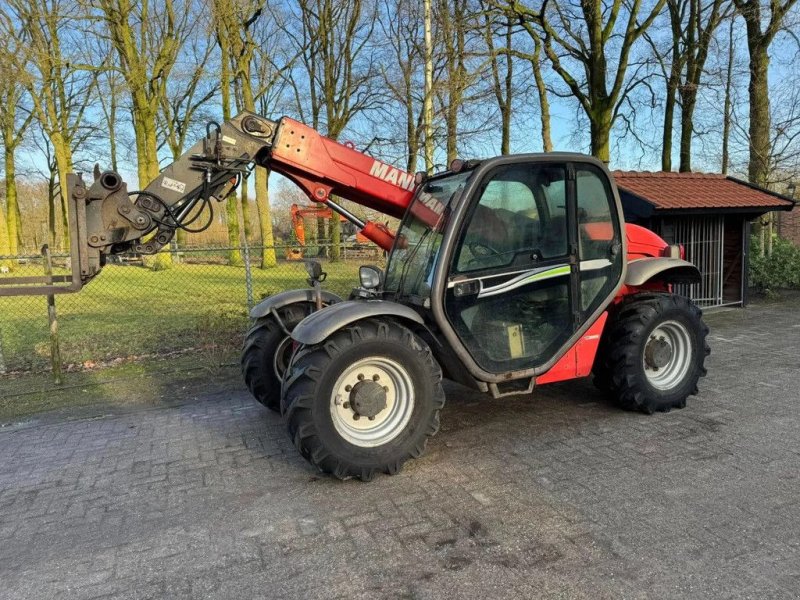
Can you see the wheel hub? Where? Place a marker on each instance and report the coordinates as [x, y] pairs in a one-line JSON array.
[[368, 398], [372, 401], [658, 353]]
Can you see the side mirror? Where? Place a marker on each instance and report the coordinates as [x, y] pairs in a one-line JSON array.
[[314, 270]]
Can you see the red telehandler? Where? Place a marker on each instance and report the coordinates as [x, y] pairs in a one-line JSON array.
[[504, 274]]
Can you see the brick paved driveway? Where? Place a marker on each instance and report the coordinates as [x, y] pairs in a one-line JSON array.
[[558, 495]]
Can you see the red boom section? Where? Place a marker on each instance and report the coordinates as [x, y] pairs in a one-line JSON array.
[[323, 167]]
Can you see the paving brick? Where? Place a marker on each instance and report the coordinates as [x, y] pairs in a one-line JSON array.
[[557, 495]]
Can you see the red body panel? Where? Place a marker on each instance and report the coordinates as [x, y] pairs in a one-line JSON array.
[[578, 360], [643, 243]]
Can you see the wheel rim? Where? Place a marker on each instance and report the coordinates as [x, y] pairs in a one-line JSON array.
[[667, 355], [282, 356], [383, 390]]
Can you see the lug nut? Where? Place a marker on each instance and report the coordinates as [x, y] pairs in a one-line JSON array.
[[371, 418], [376, 377], [346, 405], [361, 377], [356, 417], [347, 388], [385, 388]]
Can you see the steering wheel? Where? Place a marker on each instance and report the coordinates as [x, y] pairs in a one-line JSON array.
[[481, 250]]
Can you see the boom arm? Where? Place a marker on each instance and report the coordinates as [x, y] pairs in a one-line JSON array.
[[107, 219]]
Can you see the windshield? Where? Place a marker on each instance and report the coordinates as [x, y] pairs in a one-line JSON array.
[[410, 268]]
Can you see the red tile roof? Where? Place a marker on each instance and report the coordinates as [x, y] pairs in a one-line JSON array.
[[681, 191]]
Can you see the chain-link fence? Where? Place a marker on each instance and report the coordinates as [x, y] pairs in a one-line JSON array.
[[136, 306]]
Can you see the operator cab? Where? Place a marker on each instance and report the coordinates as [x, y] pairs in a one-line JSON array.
[[513, 258]]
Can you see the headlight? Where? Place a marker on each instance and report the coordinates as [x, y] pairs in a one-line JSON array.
[[370, 277]]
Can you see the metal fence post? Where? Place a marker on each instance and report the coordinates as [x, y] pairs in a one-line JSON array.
[[2, 360], [55, 349], [248, 275]]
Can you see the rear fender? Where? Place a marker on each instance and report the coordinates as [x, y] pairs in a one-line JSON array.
[[661, 269], [318, 326], [263, 308]]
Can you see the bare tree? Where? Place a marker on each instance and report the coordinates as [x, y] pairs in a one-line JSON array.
[[187, 92], [727, 109], [693, 25], [762, 23], [336, 68], [147, 39], [403, 32], [533, 58], [502, 86], [248, 34], [455, 24], [60, 90], [13, 124], [577, 39]]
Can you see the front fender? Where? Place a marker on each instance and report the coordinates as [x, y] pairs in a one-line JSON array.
[[263, 308], [668, 270], [317, 326]]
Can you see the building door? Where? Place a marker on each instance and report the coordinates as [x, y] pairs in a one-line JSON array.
[[704, 240]]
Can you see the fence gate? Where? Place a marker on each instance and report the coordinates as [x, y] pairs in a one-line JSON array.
[[703, 237]]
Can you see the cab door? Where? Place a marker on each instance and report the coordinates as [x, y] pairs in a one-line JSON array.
[[521, 282]]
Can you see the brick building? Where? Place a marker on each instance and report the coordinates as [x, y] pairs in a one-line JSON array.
[[789, 226]]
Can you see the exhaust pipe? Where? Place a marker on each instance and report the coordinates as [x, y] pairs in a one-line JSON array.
[[111, 181]]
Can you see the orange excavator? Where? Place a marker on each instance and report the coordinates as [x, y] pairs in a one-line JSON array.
[[299, 214]]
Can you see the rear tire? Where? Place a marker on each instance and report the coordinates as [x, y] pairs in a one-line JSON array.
[[363, 401], [653, 353], [266, 353]]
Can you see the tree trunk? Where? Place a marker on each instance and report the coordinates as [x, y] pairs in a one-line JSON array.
[[52, 195], [232, 221], [5, 246], [669, 120], [688, 102], [63, 156], [759, 168], [544, 102], [336, 237], [246, 218], [163, 260], [727, 116], [601, 123], [112, 129], [427, 110], [13, 225], [268, 258]]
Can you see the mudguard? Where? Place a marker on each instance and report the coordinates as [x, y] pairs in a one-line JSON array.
[[669, 270], [263, 308], [317, 326]]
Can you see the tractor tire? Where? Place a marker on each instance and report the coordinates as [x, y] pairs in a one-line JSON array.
[[267, 351], [363, 401], [652, 354]]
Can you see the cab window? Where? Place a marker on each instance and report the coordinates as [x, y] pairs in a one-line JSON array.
[[520, 218]]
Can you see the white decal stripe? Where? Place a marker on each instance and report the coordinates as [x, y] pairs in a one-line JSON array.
[[530, 276], [540, 274]]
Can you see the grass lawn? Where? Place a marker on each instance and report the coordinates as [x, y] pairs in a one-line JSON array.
[[130, 311]]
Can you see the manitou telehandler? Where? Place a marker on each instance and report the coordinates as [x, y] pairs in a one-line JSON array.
[[504, 274]]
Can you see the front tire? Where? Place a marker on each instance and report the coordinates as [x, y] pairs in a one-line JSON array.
[[653, 353], [363, 401], [267, 351]]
